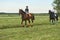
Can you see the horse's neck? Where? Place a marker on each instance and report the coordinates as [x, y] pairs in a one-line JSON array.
[[23, 14]]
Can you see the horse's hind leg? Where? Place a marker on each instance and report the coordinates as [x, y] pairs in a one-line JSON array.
[[28, 22], [57, 18], [32, 21], [53, 21]]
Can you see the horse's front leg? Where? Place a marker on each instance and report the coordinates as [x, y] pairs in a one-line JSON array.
[[25, 22], [22, 23]]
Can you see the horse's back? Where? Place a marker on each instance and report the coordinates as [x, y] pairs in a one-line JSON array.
[[29, 14]]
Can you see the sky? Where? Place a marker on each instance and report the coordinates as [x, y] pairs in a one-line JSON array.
[[35, 6]]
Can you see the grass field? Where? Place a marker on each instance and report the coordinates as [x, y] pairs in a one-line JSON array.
[[42, 29]]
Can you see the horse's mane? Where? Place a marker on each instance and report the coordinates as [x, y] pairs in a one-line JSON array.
[[23, 11]]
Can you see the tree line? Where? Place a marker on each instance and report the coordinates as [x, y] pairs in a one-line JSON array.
[[56, 5]]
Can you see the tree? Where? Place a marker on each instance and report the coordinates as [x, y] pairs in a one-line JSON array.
[[56, 5]]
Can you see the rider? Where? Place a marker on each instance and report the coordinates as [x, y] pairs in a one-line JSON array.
[[27, 11]]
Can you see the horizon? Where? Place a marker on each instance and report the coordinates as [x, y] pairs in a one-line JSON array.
[[35, 6]]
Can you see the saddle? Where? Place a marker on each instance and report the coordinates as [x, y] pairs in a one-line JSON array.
[[29, 14]]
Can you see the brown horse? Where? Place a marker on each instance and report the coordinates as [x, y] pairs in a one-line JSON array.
[[26, 17]]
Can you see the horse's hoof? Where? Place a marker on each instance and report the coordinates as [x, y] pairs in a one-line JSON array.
[[31, 25], [22, 26]]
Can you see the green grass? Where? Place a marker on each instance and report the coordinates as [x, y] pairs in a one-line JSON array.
[[10, 29]]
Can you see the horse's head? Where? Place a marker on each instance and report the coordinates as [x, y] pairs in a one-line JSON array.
[[21, 12], [49, 11]]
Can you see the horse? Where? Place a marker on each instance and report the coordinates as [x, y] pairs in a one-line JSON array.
[[26, 17], [53, 16]]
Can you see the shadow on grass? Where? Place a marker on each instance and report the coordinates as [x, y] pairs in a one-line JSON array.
[[9, 26], [14, 26], [39, 24], [18, 26]]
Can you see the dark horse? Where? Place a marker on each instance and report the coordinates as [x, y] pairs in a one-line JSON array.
[[26, 17], [53, 16]]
